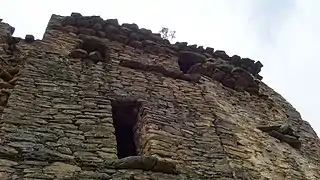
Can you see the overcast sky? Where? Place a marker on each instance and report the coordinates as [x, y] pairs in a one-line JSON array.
[[283, 34]]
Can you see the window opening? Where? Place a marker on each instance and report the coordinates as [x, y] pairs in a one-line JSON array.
[[93, 46], [125, 117], [187, 60]]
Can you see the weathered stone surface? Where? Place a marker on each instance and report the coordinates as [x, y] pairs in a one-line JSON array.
[[71, 29], [145, 163], [79, 53], [61, 170], [87, 157], [57, 120]]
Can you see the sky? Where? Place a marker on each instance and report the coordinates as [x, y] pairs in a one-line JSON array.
[[283, 34]]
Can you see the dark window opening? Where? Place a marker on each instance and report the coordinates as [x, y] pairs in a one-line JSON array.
[[187, 60], [186, 66], [125, 117], [93, 46]]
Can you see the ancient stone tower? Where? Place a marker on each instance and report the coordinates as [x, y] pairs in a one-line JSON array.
[[97, 100]]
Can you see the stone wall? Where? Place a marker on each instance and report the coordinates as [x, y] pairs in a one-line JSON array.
[[58, 121]]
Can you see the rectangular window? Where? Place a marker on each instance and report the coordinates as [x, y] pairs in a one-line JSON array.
[[125, 117]]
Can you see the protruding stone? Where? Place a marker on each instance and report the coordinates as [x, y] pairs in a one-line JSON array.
[[145, 163], [221, 54], [79, 53], [291, 140], [13, 71], [5, 75], [258, 77], [165, 167], [286, 128], [209, 50], [253, 88], [181, 44], [3, 99], [200, 49], [113, 22], [133, 26], [29, 38], [193, 77], [236, 60], [228, 82], [144, 31], [6, 85], [95, 56], [76, 15], [12, 29], [193, 47], [247, 64], [13, 40], [257, 67], [242, 78]]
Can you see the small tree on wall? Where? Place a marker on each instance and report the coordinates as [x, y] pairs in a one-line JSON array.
[[167, 34]]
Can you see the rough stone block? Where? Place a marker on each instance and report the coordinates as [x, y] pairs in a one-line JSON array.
[[79, 53]]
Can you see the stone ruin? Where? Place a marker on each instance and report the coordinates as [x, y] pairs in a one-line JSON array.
[[97, 100]]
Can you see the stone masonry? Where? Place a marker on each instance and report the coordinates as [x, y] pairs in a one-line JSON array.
[[71, 102]]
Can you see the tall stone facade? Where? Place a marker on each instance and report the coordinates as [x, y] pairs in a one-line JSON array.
[[97, 100]]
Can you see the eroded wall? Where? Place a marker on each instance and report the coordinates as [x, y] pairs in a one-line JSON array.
[[58, 120]]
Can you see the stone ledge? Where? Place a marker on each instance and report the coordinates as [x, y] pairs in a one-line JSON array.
[[284, 133], [146, 163], [158, 69]]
